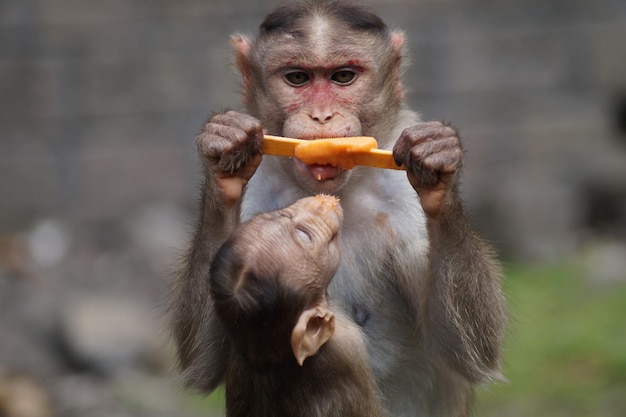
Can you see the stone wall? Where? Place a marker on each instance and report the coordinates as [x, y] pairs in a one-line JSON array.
[[100, 103]]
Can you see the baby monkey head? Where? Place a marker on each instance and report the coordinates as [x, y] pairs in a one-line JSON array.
[[269, 281]]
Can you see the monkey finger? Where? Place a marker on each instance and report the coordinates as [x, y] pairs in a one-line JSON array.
[[239, 128], [423, 134], [419, 152], [430, 131], [210, 146], [235, 161], [434, 167], [424, 178], [443, 145], [219, 141], [243, 121], [235, 136], [444, 162]]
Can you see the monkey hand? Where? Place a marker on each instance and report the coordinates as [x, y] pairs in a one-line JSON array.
[[432, 156], [230, 148]]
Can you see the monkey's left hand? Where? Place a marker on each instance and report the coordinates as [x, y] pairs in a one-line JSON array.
[[432, 156]]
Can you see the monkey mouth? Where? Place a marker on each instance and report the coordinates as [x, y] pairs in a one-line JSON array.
[[320, 172]]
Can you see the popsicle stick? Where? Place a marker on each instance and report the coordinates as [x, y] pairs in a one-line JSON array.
[[377, 158], [277, 145]]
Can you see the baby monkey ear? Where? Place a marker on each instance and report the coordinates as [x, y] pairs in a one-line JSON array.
[[314, 327]]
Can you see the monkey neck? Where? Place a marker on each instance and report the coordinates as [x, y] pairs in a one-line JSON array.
[[328, 384]]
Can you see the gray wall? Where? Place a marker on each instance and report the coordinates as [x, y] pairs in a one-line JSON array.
[[101, 100], [100, 103]]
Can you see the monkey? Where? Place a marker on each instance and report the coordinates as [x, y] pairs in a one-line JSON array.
[[418, 280], [290, 354]]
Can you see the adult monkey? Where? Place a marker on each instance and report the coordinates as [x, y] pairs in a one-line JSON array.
[[416, 278]]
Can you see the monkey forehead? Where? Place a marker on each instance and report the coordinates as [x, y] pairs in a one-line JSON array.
[[276, 231], [299, 57], [272, 252], [330, 50], [319, 40], [304, 233], [291, 16]]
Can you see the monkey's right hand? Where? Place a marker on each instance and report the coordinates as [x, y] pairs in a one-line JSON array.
[[230, 148]]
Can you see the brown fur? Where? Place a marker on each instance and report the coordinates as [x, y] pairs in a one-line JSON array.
[[262, 279], [424, 289], [337, 382]]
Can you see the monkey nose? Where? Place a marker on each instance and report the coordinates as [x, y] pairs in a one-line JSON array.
[[328, 210], [321, 210], [327, 203], [322, 115]]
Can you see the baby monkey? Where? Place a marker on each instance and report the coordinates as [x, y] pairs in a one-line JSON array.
[[291, 353]]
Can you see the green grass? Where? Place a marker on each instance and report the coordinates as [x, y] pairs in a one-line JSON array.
[[207, 406], [566, 350], [565, 354]]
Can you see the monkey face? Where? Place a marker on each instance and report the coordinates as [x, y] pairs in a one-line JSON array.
[[299, 242], [323, 80], [319, 103], [273, 268], [298, 246]]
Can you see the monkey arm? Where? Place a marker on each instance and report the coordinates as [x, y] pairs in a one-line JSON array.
[[465, 306], [229, 149], [198, 334]]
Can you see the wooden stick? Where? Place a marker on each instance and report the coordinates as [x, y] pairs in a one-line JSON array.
[[377, 158], [276, 145]]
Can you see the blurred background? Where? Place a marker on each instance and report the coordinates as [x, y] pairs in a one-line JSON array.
[[99, 106]]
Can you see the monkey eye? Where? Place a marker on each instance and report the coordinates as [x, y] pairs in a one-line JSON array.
[[297, 78], [304, 235], [343, 77]]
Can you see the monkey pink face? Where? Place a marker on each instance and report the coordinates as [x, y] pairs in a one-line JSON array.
[[325, 83], [321, 104]]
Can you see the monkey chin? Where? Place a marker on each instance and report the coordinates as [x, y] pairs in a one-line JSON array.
[[321, 179]]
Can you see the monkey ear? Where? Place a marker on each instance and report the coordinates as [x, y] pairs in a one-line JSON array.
[[397, 40], [314, 327], [242, 46]]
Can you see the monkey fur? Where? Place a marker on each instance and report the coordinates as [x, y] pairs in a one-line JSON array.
[[291, 355], [415, 277]]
